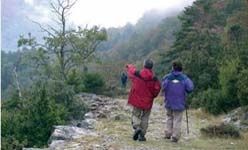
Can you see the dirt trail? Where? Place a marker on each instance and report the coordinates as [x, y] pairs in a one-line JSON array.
[[122, 131], [114, 132]]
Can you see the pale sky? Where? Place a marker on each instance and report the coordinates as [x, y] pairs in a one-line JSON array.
[[107, 13]]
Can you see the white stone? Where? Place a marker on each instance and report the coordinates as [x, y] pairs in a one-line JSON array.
[[70, 132]]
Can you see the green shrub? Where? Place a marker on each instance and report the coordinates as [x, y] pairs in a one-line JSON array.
[[75, 79], [232, 92], [204, 80], [63, 93], [41, 113], [228, 78], [194, 101], [11, 125], [60, 91], [30, 124], [212, 101], [77, 109], [86, 82], [242, 85], [93, 83]]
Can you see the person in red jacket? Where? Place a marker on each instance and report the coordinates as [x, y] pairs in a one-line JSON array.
[[144, 88]]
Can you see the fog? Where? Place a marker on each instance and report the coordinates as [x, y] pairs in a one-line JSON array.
[[15, 15]]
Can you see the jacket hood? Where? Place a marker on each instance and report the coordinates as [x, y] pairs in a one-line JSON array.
[[176, 73], [146, 74]]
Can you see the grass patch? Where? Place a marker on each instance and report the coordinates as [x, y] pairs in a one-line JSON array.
[[121, 131], [222, 131]]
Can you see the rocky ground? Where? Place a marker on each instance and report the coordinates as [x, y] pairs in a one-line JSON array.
[[107, 127]]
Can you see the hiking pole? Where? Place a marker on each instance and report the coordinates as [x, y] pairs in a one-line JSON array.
[[187, 120]]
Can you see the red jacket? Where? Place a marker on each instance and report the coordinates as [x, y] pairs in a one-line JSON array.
[[145, 87]]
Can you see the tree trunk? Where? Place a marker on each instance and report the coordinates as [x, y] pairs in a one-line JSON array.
[[17, 83]]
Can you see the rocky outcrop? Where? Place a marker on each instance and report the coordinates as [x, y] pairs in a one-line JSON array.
[[99, 106], [232, 125], [72, 136], [70, 133], [237, 118]]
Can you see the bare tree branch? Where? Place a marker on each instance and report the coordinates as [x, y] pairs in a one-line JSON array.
[[57, 21], [71, 4], [53, 29], [54, 9], [43, 28]]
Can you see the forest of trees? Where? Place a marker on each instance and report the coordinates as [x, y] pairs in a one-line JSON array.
[[212, 44], [210, 38]]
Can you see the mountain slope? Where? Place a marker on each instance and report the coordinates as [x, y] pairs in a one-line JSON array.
[[212, 45], [153, 32]]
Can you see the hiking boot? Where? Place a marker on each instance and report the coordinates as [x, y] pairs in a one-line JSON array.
[[175, 140], [136, 134], [142, 137]]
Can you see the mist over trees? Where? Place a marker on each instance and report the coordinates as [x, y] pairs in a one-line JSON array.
[[40, 81], [152, 31]]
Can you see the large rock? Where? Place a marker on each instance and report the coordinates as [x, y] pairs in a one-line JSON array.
[[69, 133], [99, 106], [56, 144], [238, 118], [89, 115], [245, 116], [36, 149], [66, 145], [87, 124]]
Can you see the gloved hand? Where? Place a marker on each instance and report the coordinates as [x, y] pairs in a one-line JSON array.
[[128, 65]]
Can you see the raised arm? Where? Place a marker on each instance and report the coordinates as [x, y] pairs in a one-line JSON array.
[[131, 69]]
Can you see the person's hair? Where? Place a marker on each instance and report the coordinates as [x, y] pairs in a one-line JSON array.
[[148, 63], [177, 66]]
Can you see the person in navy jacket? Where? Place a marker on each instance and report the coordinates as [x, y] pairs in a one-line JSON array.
[[175, 87]]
